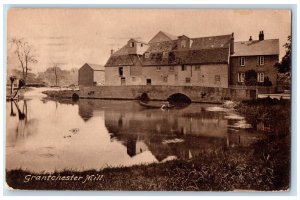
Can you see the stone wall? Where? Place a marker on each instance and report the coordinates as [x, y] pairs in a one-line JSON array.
[[195, 93]]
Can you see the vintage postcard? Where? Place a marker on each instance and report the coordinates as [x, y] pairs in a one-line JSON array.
[[148, 99]]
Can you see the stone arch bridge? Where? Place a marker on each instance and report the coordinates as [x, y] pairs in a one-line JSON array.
[[194, 93]]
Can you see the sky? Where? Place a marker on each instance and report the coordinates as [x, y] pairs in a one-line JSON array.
[[72, 37]]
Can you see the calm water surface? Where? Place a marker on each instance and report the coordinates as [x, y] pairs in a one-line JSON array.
[[47, 135]]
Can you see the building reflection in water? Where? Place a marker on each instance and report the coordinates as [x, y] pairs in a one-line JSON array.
[[182, 133]]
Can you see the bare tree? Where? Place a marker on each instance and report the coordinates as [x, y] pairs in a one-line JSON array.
[[55, 73], [24, 52]]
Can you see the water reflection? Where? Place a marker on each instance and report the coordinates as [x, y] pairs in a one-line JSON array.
[[114, 133]]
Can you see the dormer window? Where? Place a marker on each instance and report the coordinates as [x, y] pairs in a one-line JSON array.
[[147, 55], [131, 44], [183, 43]]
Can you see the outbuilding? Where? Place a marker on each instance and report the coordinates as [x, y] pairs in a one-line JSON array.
[[91, 74]]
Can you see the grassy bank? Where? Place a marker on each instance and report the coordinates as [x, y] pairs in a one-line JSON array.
[[274, 113], [266, 168]]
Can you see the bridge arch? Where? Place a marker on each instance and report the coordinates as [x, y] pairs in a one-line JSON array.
[[75, 97], [179, 98], [144, 97]]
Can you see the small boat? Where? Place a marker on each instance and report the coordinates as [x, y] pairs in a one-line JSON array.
[[162, 106]]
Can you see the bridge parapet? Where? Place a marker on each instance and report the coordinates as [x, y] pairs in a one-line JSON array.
[[195, 93]]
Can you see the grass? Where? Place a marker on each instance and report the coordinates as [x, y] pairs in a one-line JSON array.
[[264, 169]]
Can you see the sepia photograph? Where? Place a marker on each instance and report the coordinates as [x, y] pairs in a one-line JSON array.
[[137, 99]]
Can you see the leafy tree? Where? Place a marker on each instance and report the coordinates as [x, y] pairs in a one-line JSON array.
[[285, 64]]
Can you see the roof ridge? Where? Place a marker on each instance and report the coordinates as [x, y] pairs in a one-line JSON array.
[[212, 36], [256, 40]]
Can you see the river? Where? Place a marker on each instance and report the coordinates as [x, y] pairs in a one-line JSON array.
[[49, 135]]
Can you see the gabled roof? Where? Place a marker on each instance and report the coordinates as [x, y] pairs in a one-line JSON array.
[[96, 67], [138, 40], [123, 60], [172, 37], [162, 46], [202, 50], [162, 36], [122, 51], [256, 47]]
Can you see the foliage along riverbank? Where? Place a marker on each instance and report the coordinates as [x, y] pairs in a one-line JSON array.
[[264, 166]]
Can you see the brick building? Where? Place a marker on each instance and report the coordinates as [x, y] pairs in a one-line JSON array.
[[258, 55], [91, 74], [215, 61]]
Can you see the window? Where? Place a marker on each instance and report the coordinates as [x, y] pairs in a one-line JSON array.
[[183, 43], [197, 68], [148, 81], [242, 61], [122, 81], [241, 77], [165, 54], [183, 67], [261, 60], [188, 80], [131, 44], [147, 55], [217, 78], [172, 68], [158, 68], [133, 79], [120, 71], [141, 44], [260, 77]]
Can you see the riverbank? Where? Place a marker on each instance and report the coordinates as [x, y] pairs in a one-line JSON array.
[[227, 169], [273, 113], [20, 93]]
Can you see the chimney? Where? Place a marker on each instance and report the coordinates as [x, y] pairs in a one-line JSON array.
[[261, 35], [232, 44], [250, 39], [111, 52]]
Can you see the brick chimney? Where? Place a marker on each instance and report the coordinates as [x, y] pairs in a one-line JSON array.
[[261, 35], [250, 39], [111, 52], [232, 44]]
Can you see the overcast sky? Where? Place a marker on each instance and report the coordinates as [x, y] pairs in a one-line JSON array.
[[73, 37]]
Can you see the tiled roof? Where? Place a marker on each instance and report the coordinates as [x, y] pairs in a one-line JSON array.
[[123, 60], [204, 50], [172, 37], [162, 36], [256, 47], [162, 46], [202, 56], [122, 51], [96, 67], [211, 42]]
